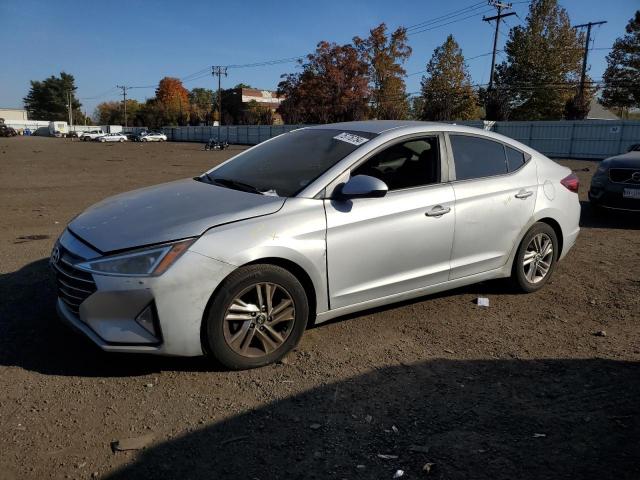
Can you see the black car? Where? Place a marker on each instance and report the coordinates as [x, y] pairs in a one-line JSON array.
[[616, 183], [132, 137]]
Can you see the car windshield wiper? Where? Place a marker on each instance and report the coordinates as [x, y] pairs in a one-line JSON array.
[[235, 184]]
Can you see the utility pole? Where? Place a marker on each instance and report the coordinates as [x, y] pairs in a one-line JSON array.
[[586, 52], [69, 106], [219, 70], [124, 101], [497, 18]]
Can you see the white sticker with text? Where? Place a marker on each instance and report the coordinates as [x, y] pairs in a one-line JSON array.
[[351, 138]]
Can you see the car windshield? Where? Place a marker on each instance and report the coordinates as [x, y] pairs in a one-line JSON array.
[[285, 165]]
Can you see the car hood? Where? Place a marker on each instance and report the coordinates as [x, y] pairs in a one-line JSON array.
[[626, 160], [170, 211]]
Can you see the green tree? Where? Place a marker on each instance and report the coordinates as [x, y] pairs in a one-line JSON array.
[[385, 55], [48, 99], [447, 92], [544, 62], [112, 113], [622, 76], [201, 104], [332, 87]]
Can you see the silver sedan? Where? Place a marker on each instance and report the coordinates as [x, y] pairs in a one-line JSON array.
[[308, 226]]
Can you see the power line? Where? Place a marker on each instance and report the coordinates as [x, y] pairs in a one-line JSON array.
[[449, 23], [447, 16]]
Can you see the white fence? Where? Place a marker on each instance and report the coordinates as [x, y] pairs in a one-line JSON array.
[[560, 139]]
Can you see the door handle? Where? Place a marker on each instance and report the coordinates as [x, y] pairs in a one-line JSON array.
[[437, 211], [524, 194]]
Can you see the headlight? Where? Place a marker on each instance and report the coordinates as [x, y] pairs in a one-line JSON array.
[[151, 261]]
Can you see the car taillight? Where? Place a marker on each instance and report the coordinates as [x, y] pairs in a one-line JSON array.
[[571, 182]]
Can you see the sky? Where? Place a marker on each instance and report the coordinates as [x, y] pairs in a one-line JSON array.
[[136, 43]]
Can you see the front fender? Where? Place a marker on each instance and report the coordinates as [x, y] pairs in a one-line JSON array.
[[296, 233]]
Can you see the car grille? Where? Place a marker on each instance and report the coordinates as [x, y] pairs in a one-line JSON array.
[[625, 175], [74, 285]]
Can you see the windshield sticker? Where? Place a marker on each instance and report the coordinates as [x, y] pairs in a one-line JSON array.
[[351, 138]]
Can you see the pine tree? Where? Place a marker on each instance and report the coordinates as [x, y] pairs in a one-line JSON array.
[[622, 76], [447, 91]]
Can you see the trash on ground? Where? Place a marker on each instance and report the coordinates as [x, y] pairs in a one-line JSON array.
[[482, 301], [600, 333], [539, 435], [398, 473], [315, 426], [385, 456], [427, 467], [135, 443]]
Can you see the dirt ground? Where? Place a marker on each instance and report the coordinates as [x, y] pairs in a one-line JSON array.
[[438, 387]]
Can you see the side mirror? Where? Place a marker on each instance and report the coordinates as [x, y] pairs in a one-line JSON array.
[[363, 186]]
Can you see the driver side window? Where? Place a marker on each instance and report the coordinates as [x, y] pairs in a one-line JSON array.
[[413, 163]]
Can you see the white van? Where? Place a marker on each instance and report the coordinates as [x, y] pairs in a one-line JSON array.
[[58, 129]]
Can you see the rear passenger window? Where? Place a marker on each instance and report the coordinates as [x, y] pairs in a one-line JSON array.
[[515, 159], [476, 157]]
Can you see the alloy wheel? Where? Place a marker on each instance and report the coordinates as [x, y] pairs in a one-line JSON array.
[[259, 320], [538, 258]]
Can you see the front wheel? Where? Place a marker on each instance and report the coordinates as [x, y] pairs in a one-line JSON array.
[[536, 258], [258, 315]]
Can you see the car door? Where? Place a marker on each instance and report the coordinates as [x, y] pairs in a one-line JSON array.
[[495, 188], [379, 247]]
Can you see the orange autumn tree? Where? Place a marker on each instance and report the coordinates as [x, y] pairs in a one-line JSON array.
[[172, 101]]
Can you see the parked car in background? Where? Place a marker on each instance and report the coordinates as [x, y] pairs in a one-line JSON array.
[[6, 131], [131, 136], [313, 224], [616, 182], [154, 137], [112, 137], [91, 135]]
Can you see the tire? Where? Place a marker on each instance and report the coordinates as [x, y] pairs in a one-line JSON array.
[[529, 278], [121, 140], [218, 332], [144, 140]]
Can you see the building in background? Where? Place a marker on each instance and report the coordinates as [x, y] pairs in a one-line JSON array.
[[15, 114], [250, 106]]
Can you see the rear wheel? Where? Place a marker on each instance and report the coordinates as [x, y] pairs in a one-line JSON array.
[[536, 258], [121, 140], [258, 315]]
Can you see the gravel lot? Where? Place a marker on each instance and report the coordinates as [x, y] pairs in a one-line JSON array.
[[437, 387]]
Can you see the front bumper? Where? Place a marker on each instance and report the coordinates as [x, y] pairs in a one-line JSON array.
[[179, 296], [610, 195]]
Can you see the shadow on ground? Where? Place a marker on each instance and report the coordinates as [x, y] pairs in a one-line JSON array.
[[539, 419], [591, 217], [32, 337]]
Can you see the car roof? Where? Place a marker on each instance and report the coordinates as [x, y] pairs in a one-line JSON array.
[[375, 126]]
